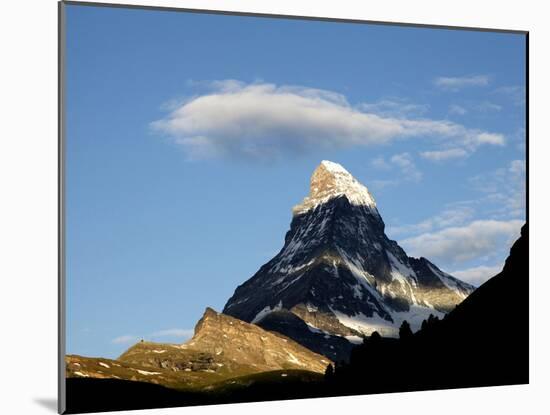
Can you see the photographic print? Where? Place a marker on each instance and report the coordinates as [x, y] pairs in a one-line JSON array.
[[259, 208]]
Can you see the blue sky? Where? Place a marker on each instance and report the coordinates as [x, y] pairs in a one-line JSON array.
[[190, 137]]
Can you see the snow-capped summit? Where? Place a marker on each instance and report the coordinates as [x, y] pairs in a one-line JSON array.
[[330, 180], [340, 273]]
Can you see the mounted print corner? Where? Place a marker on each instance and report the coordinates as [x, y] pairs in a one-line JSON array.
[[259, 208]]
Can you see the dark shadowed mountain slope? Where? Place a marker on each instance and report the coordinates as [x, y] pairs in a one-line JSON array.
[[289, 324], [494, 321], [340, 273], [502, 301], [483, 342], [99, 395]]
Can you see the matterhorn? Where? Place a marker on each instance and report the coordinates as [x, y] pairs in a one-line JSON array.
[[338, 276]]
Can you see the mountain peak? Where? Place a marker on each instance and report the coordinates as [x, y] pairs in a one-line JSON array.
[[330, 180], [333, 167], [340, 273]]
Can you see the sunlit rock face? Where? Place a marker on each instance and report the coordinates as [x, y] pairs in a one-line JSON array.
[[221, 348], [340, 273], [237, 341], [330, 180]]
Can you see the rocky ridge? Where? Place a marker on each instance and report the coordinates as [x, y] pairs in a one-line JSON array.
[[222, 348]]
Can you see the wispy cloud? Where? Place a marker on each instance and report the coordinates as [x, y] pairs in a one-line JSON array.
[[380, 163], [458, 83], [173, 333], [457, 109], [487, 106], [449, 150], [266, 121], [489, 138], [441, 155], [176, 333], [456, 245], [477, 275], [403, 163], [504, 187], [395, 107], [515, 93], [383, 183], [126, 339], [452, 216]]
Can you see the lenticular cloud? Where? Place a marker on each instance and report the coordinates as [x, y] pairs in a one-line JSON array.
[[265, 121]]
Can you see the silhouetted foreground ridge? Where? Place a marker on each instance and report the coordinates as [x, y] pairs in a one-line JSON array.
[[484, 341]]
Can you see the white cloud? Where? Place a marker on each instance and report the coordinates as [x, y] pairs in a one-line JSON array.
[[487, 106], [405, 163], [515, 93], [380, 163], [454, 245], [394, 107], [517, 167], [457, 109], [453, 216], [173, 333], [126, 339], [457, 83], [504, 187], [450, 153], [489, 138], [383, 183], [440, 155], [266, 121], [477, 275]]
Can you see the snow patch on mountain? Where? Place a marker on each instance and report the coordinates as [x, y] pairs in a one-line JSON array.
[[364, 324], [415, 316], [266, 310], [354, 339], [401, 272], [367, 325], [331, 180]]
